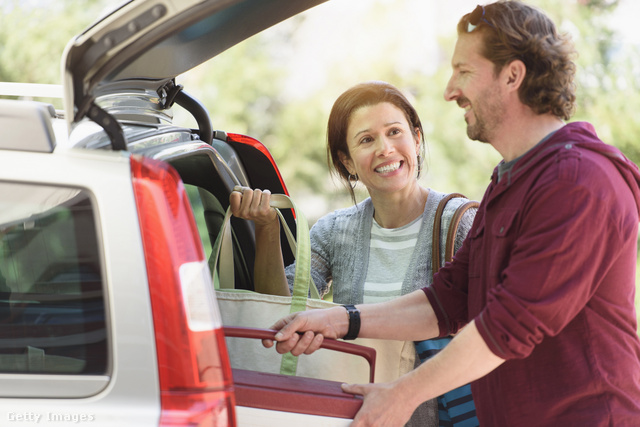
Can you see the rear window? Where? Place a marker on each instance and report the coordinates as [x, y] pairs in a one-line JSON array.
[[52, 311]]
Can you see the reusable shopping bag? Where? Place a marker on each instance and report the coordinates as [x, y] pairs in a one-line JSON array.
[[256, 310]]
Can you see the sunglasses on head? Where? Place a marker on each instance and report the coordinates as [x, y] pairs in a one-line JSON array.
[[476, 18]]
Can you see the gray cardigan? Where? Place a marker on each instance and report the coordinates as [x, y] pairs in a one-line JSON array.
[[340, 248]]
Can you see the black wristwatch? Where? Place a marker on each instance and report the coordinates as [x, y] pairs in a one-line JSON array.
[[354, 322]]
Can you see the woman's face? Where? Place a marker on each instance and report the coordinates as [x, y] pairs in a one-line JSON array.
[[382, 148]]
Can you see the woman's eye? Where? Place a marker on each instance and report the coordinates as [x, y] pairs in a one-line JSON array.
[[365, 140]]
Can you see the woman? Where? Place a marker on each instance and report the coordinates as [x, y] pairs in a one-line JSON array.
[[380, 248]]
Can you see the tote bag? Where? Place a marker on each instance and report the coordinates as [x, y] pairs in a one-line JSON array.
[[256, 310]]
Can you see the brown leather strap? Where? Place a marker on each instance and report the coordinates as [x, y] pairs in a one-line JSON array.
[[437, 225], [453, 228]]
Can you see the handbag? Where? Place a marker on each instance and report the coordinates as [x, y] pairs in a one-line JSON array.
[[255, 310]]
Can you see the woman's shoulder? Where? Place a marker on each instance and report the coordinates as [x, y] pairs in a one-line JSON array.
[[453, 203], [347, 214]]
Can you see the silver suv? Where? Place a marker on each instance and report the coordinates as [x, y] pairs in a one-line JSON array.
[[108, 214]]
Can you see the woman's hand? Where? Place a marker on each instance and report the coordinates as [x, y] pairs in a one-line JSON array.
[[252, 205]]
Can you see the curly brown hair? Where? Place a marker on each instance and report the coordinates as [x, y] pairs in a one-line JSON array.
[[514, 31], [358, 96]]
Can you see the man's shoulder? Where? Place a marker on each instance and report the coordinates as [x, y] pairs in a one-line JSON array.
[[564, 149]]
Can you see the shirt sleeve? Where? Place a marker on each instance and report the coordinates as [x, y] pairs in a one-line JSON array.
[[448, 295], [564, 245]]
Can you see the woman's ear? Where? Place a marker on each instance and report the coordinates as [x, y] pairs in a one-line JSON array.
[[347, 162], [418, 137]]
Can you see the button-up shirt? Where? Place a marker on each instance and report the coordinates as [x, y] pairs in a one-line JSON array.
[[548, 275]]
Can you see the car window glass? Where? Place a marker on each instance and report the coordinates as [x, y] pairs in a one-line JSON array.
[[52, 311]]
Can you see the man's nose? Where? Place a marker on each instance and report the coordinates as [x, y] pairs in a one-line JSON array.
[[451, 92]]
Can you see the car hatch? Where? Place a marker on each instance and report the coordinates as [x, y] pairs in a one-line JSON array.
[[145, 44]]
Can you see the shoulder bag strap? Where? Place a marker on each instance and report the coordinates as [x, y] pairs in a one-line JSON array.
[[437, 226], [453, 228]]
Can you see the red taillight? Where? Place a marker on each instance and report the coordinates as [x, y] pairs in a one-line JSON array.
[[194, 370]]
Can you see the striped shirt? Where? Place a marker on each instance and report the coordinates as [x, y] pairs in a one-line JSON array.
[[390, 252]]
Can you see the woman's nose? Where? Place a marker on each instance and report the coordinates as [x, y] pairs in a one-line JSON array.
[[384, 146]]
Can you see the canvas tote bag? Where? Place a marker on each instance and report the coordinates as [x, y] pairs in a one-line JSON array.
[[256, 310]]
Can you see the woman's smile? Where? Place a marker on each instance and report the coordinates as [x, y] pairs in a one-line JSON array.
[[389, 167]]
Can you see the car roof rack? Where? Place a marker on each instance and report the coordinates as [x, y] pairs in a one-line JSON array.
[[26, 126]]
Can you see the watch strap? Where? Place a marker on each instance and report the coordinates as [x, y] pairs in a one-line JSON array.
[[354, 322]]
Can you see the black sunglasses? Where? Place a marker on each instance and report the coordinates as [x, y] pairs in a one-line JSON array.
[[476, 17]]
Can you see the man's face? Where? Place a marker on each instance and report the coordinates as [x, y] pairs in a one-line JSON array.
[[475, 88]]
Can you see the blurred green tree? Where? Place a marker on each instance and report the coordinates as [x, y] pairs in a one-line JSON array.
[[34, 33]]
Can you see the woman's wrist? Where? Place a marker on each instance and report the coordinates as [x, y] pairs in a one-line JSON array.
[[268, 231]]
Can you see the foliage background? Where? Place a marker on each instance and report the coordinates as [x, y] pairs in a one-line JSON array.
[[279, 85]]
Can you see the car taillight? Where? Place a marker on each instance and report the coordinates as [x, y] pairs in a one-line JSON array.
[[195, 374]]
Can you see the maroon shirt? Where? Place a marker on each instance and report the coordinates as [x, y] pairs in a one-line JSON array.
[[548, 274]]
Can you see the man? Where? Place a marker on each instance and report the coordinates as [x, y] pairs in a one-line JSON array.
[[541, 294]]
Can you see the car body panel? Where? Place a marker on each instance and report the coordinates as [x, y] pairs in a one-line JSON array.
[[132, 371], [255, 417]]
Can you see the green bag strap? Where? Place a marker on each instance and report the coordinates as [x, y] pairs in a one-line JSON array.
[[223, 250], [302, 278], [301, 246]]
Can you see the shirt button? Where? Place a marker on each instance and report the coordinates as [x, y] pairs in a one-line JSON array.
[[501, 230], [568, 146]]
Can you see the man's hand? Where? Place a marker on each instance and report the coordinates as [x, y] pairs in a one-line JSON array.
[[385, 404], [303, 332]]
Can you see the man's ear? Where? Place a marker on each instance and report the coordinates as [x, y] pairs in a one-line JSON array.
[[346, 162], [514, 74]]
